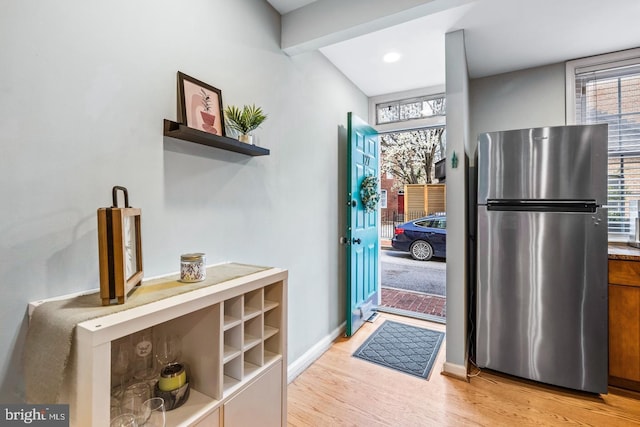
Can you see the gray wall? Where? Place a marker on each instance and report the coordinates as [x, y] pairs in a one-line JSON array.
[[84, 87], [521, 99], [518, 100], [533, 97]]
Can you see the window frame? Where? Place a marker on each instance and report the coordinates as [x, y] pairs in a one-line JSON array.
[[427, 122], [599, 62], [399, 103], [595, 63]]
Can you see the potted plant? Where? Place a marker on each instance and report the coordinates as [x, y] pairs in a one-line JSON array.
[[244, 120]]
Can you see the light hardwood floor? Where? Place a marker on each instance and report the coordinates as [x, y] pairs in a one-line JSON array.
[[341, 390]]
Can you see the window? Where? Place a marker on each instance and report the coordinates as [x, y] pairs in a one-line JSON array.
[[410, 109], [606, 89], [383, 199], [432, 223]]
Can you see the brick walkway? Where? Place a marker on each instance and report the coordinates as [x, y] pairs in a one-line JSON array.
[[414, 301]]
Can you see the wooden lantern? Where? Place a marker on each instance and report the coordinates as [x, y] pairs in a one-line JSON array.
[[120, 249]]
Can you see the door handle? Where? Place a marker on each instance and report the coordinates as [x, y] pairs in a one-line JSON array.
[[345, 241]]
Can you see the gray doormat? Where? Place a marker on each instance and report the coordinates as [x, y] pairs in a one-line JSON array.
[[406, 348]]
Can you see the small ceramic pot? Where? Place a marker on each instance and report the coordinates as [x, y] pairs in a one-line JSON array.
[[245, 138]]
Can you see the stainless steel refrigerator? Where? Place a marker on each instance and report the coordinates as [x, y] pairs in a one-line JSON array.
[[541, 302]]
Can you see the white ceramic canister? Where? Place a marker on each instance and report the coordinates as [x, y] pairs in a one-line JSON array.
[[192, 267]]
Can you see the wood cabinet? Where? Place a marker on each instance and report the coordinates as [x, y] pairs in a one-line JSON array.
[[624, 323], [234, 343]]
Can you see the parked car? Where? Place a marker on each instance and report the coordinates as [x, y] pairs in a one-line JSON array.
[[423, 238]]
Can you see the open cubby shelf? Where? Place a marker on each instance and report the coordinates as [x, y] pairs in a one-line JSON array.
[[251, 312], [185, 133], [233, 338]]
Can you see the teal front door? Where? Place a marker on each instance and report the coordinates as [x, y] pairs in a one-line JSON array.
[[362, 241]]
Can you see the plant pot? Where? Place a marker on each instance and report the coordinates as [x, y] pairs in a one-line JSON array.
[[245, 138], [209, 122]]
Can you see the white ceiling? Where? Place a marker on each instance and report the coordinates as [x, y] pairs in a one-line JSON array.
[[286, 6], [500, 36]]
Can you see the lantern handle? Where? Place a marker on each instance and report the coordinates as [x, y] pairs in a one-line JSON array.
[[114, 193]]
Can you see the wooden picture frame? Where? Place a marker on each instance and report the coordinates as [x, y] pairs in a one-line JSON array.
[[119, 250], [200, 105]]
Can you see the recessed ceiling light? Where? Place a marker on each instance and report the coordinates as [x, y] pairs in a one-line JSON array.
[[391, 57]]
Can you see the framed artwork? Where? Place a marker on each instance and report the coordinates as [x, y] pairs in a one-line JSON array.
[[199, 105]]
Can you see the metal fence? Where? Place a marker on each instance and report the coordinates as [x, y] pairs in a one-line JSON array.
[[389, 219]]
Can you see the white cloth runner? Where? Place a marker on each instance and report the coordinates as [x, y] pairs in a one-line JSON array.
[[51, 329]]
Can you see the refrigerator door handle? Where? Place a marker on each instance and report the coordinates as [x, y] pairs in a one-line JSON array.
[[542, 205]]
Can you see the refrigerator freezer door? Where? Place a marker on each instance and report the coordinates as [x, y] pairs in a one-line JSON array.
[[542, 296], [552, 163]]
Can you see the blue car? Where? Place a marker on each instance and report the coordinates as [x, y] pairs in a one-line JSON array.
[[423, 238]]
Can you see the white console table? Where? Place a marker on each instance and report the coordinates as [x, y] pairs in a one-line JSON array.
[[234, 341]]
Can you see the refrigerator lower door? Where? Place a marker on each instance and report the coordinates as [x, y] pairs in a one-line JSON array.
[[542, 310]]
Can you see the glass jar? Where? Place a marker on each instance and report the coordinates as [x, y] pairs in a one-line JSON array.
[[143, 362], [192, 267]]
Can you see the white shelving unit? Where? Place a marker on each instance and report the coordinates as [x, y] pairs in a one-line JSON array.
[[234, 342]]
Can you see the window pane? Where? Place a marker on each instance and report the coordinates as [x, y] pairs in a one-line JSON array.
[[387, 114], [630, 94], [410, 111], [435, 107], [383, 199], [624, 192], [426, 109], [613, 97]]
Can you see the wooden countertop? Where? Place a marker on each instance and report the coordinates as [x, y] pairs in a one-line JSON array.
[[622, 251]]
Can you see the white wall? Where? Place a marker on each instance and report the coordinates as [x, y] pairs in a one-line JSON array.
[[84, 87], [457, 92], [522, 99]]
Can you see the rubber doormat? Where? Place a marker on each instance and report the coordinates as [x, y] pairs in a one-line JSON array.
[[406, 348]]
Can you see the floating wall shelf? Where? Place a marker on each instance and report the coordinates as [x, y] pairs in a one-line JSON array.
[[185, 133]]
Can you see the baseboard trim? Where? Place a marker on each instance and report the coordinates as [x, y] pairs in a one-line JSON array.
[[299, 365], [455, 371]]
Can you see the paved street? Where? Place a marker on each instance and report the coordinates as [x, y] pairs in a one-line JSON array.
[[400, 271]]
